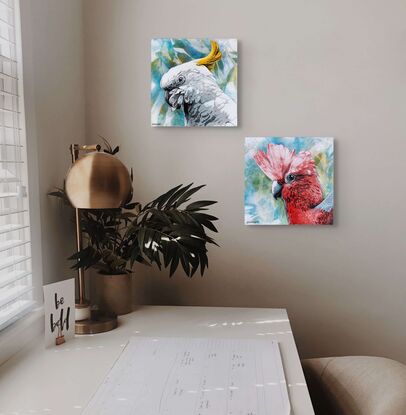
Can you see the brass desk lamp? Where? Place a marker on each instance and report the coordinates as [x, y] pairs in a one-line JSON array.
[[96, 180]]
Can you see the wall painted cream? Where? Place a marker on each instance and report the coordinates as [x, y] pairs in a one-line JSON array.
[[333, 68], [322, 68], [52, 41]]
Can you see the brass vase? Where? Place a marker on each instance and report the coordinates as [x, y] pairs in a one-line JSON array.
[[114, 293]]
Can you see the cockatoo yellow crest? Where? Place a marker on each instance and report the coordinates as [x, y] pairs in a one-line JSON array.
[[213, 57]]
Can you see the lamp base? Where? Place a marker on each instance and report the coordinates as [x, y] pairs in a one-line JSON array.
[[97, 323], [82, 310]]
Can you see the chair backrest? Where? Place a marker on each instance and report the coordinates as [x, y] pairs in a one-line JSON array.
[[356, 385]]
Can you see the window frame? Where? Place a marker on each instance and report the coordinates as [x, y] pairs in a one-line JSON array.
[[31, 325]]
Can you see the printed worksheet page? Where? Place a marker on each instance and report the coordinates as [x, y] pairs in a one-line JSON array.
[[192, 376]]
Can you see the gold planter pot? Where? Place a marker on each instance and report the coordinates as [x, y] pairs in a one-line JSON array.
[[114, 293]]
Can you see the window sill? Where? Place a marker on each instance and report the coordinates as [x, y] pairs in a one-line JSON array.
[[15, 337]]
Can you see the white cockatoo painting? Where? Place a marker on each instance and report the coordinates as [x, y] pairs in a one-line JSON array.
[[194, 82]]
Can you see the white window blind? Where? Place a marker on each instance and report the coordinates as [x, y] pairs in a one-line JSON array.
[[16, 297]]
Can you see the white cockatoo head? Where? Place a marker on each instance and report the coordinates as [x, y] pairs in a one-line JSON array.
[[191, 80]]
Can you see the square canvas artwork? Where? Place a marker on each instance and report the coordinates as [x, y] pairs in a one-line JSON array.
[[289, 180], [194, 82]]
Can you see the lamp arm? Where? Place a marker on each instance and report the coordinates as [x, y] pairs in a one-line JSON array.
[[75, 149]]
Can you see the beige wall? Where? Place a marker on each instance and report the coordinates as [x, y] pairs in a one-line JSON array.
[[306, 68], [52, 42], [333, 68]]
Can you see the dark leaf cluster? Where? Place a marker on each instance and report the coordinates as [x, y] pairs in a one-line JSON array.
[[170, 231]]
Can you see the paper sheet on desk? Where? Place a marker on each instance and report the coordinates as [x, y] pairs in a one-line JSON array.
[[190, 376]]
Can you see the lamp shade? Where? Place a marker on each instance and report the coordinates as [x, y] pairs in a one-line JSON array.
[[98, 181]]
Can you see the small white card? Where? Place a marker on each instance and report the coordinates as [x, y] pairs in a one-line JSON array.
[[59, 305]]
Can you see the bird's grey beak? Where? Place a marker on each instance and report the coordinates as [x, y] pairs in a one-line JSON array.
[[173, 98], [276, 189], [167, 96]]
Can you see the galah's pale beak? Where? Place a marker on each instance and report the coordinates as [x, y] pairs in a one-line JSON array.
[[276, 189]]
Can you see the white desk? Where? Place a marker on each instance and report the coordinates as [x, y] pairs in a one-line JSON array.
[[61, 380]]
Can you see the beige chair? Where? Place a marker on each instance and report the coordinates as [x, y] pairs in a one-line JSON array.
[[356, 385]]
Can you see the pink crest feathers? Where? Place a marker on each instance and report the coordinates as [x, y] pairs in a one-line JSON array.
[[280, 160], [303, 163]]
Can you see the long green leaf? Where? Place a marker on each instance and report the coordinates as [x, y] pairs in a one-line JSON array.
[[173, 199], [174, 263], [200, 204], [185, 197], [185, 263]]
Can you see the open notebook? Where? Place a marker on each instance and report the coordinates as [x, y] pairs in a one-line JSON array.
[[194, 376]]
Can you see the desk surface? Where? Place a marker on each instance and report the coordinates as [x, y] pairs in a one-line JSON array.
[[62, 379]]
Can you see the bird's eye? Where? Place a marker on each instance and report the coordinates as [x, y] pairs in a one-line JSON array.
[[289, 178], [181, 79]]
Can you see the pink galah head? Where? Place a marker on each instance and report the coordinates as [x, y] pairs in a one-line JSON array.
[[279, 161]]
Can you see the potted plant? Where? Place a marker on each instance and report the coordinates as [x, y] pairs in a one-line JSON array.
[[169, 231]]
